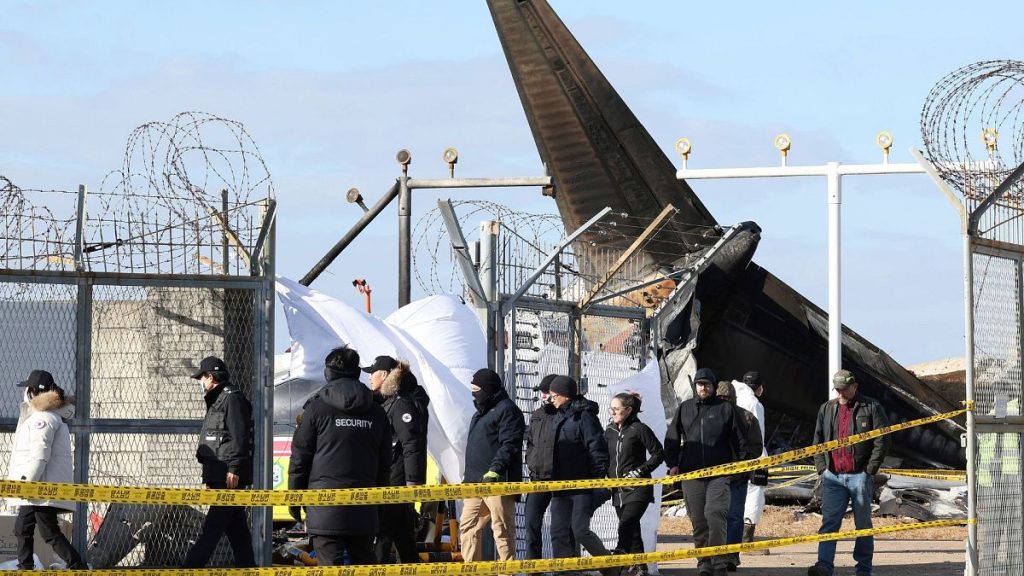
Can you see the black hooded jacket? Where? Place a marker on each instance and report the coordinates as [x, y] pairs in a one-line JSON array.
[[405, 403], [226, 441], [705, 433], [580, 450], [342, 441], [496, 440], [540, 445], [628, 447]]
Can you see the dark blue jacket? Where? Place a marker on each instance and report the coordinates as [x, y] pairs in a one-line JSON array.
[[580, 450], [496, 441]]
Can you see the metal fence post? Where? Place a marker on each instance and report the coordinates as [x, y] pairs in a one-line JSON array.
[[83, 416]]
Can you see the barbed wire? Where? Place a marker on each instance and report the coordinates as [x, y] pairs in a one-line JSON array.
[[972, 126], [186, 199]]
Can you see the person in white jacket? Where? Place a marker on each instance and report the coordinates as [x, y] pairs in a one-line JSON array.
[[42, 453], [748, 393]]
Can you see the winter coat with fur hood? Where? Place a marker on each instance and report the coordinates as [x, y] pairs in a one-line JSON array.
[[42, 445], [405, 402]]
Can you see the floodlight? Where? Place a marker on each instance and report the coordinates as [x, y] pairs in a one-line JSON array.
[[783, 143], [404, 157], [355, 197], [683, 146], [990, 136], [884, 140], [451, 155]]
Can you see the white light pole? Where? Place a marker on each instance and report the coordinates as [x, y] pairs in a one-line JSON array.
[[833, 173]]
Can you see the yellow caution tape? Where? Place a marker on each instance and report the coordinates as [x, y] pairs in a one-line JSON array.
[[399, 494], [796, 480], [503, 567]]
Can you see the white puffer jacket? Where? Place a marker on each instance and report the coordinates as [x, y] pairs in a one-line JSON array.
[[42, 445]]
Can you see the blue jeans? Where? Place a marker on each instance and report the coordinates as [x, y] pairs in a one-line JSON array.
[[734, 522], [838, 490]]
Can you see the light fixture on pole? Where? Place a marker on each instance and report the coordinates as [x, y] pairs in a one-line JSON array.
[[783, 143], [404, 157], [683, 147], [884, 141], [991, 138], [451, 157], [355, 197]]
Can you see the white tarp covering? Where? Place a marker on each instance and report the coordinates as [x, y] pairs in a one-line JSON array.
[[439, 336]]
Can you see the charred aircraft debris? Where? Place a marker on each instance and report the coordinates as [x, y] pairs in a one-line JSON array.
[[737, 316]]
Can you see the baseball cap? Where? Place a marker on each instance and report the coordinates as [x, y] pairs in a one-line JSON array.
[[545, 384], [38, 381], [210, 364], [753, 379], [381, 363], [843, 380]]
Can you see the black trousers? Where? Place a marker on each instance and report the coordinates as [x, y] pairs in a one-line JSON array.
[[630, 539], [329, 549], [230, 521], [570, 525], [707, 504], [397, 526], [536, 505], [25, 530]]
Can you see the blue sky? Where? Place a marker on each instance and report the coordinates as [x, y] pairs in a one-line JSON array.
[[330, 90]]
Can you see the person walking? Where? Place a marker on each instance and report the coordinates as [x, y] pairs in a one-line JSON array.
[[706, 432], [540, 465], [635, 453], [847, 473], [225, 453], [579, 451], [748, 394], [342, 441], [41, 452], [494, 453], [405, 402], [738, 482]]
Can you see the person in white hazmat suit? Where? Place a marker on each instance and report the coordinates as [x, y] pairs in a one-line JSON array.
[[747, 394]]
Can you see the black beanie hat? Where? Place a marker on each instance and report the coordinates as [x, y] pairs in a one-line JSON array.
[[752, 379], [565, 386], [488, 381]]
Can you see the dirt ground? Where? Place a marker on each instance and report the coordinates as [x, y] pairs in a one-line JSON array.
[[931, 552]]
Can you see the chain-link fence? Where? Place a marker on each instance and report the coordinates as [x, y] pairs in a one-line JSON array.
[[997, 379], [126, 347]]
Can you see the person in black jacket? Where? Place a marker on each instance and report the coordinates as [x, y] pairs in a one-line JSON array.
[[342, 441], [494, 453], [579, 451], [635, 452], [706, 431], [225, 452], [405, 403], [539, 463]]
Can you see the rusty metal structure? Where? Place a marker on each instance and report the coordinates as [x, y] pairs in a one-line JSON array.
[[735, 315]]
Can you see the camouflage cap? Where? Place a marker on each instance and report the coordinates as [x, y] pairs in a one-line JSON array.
[[843, 380]]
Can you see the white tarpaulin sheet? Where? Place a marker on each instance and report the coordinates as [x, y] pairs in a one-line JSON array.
[[439, 336]]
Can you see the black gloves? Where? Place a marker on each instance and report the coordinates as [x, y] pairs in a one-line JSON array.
[[296, 512]]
